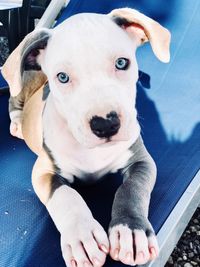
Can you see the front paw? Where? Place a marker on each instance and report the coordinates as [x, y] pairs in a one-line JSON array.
[[84, 244], [132, 241]]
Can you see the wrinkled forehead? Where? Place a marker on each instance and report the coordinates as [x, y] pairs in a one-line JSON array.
[[88, 34]]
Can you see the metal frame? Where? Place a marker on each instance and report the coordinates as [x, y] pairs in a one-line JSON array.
[[27, 15], [174, 226], [51, 13]]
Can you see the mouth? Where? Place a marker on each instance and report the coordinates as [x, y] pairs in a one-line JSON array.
[[110, 142], [107, 144], [108, 139]]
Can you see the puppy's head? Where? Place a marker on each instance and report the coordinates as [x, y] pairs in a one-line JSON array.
[[90, 64]]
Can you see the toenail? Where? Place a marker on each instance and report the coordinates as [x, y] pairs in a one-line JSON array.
[[104, 248], [140, 256], [96, 262], [73, 263], [129, 257], [86, 264], [153, 252], [116, 253]]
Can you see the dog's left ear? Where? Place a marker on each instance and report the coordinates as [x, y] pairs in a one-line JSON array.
[[143, 29], [24, 59]]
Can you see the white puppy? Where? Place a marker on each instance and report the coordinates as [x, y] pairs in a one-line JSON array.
[[73, 100]]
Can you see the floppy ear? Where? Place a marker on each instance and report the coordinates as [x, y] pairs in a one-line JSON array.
[[144, 29], [23, 59]]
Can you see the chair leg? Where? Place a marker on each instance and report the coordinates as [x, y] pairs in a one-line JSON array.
[[9, 19], [4, 21], [13, 28], [24, 16], [31, 24]]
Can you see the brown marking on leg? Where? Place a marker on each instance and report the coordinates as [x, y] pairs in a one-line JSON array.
[[45, 178], [42, 177]]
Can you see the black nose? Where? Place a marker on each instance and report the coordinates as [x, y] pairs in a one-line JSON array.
[[105, 128]]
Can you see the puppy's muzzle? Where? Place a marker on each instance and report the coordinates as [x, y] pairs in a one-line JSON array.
[[105, 128]]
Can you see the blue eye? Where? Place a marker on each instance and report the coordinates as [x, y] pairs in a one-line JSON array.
[[122, 63], [63, 77]]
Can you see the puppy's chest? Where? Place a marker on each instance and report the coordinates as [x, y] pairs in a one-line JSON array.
[[89, 164]]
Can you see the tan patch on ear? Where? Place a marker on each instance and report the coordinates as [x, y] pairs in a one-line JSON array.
[[42, 175], [158, 36], [11, 69], [11, 73], [138, 31], [32, 81]]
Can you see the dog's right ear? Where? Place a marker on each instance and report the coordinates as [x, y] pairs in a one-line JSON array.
[[144, 29], [25, 58]]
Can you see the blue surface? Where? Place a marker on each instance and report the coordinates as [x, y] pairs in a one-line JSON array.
[[3, 83], [168, 107]]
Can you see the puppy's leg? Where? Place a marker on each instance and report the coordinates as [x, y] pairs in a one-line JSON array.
[[131, 235], [84, 242], [32, 81], [15, 111]]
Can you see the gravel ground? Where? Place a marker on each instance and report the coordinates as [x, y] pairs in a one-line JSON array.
[[187, 251], [3, 50]]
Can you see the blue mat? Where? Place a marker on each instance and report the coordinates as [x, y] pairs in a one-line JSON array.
[[168, 107], [3, 83]]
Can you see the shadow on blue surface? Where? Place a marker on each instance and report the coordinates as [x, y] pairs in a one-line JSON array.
[[3, 83]]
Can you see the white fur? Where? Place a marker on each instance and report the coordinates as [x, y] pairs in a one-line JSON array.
[[80, 232], [74, 159], [15, 115], [86, 47], [123, 239], [95, 89], [67, 196], [16, 123]]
